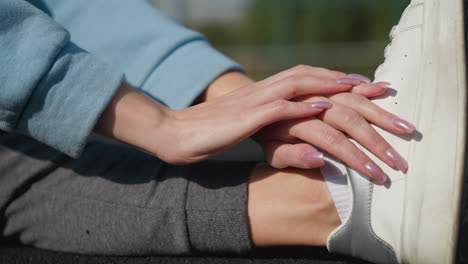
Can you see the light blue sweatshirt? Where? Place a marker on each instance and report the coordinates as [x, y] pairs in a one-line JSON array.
[[63, 60]]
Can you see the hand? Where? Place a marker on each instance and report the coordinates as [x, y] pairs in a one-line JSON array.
[[199, 132], [288, 143]]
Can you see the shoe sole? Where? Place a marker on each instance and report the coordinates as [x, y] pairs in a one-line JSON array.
[[433, 192]]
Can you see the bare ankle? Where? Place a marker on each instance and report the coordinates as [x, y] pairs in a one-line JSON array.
[[290, 207]]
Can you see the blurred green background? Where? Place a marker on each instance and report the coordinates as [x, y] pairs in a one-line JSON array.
[[267, 36]]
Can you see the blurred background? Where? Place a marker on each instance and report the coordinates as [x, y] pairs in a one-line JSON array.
[[267, 36]]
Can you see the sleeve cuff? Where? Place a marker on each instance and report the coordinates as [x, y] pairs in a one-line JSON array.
[[186, 72], [216, 207], [69, 99]]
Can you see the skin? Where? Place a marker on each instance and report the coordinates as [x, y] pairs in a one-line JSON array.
[[203, 130], [286, 206], [285, 143], [290, 207], [228, 116]]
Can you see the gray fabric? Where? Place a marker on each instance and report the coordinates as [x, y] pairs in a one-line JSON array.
[[356, 238], [119, 201], [216, 206]]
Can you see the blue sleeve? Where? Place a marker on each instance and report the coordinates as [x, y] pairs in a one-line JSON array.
[[50, 89], [169, 62]]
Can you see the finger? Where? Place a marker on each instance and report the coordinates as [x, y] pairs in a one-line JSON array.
[[283, 110], [306, 71], [375, 114], [352, 123], [323, 136], [281, 155], [371, 89], [294, 86]]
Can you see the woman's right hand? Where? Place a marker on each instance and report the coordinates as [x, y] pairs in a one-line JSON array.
[[201, 131]]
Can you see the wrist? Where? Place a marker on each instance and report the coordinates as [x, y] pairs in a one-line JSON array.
[[132, 117], [225, 83]]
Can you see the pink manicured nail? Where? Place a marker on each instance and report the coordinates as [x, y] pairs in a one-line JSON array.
[[399, 162], [348, 81], [322, 105], [404, 125], [376, 172], [360, 77], [382, 84], [313, 159]]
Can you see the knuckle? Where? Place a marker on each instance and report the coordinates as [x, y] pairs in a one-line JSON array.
[[280, 106], [359, 99], [381, 113], [327, 83], [292, 80], [333, 137], [340, 97], [320, 70], [358, 158], [291, 84], [378, 141], [351, 99], [302, 69], [252, 87], [386, 115], [351, 117]]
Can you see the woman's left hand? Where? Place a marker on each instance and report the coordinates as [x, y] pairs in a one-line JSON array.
[[290, 143]]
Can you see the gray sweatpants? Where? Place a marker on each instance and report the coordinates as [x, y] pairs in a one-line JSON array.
[[117, 200]]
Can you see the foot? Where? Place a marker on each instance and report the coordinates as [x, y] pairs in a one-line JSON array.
[[289, 207], [413, 218]]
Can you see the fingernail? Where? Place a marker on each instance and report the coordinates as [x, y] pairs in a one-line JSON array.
[[382, 84], [313, 159], [322, 105], [360, 77], [399, 162], [348, 81], [376, 172], [404, 125]]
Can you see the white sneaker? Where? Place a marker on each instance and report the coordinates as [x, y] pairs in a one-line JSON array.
[[415, 219]]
